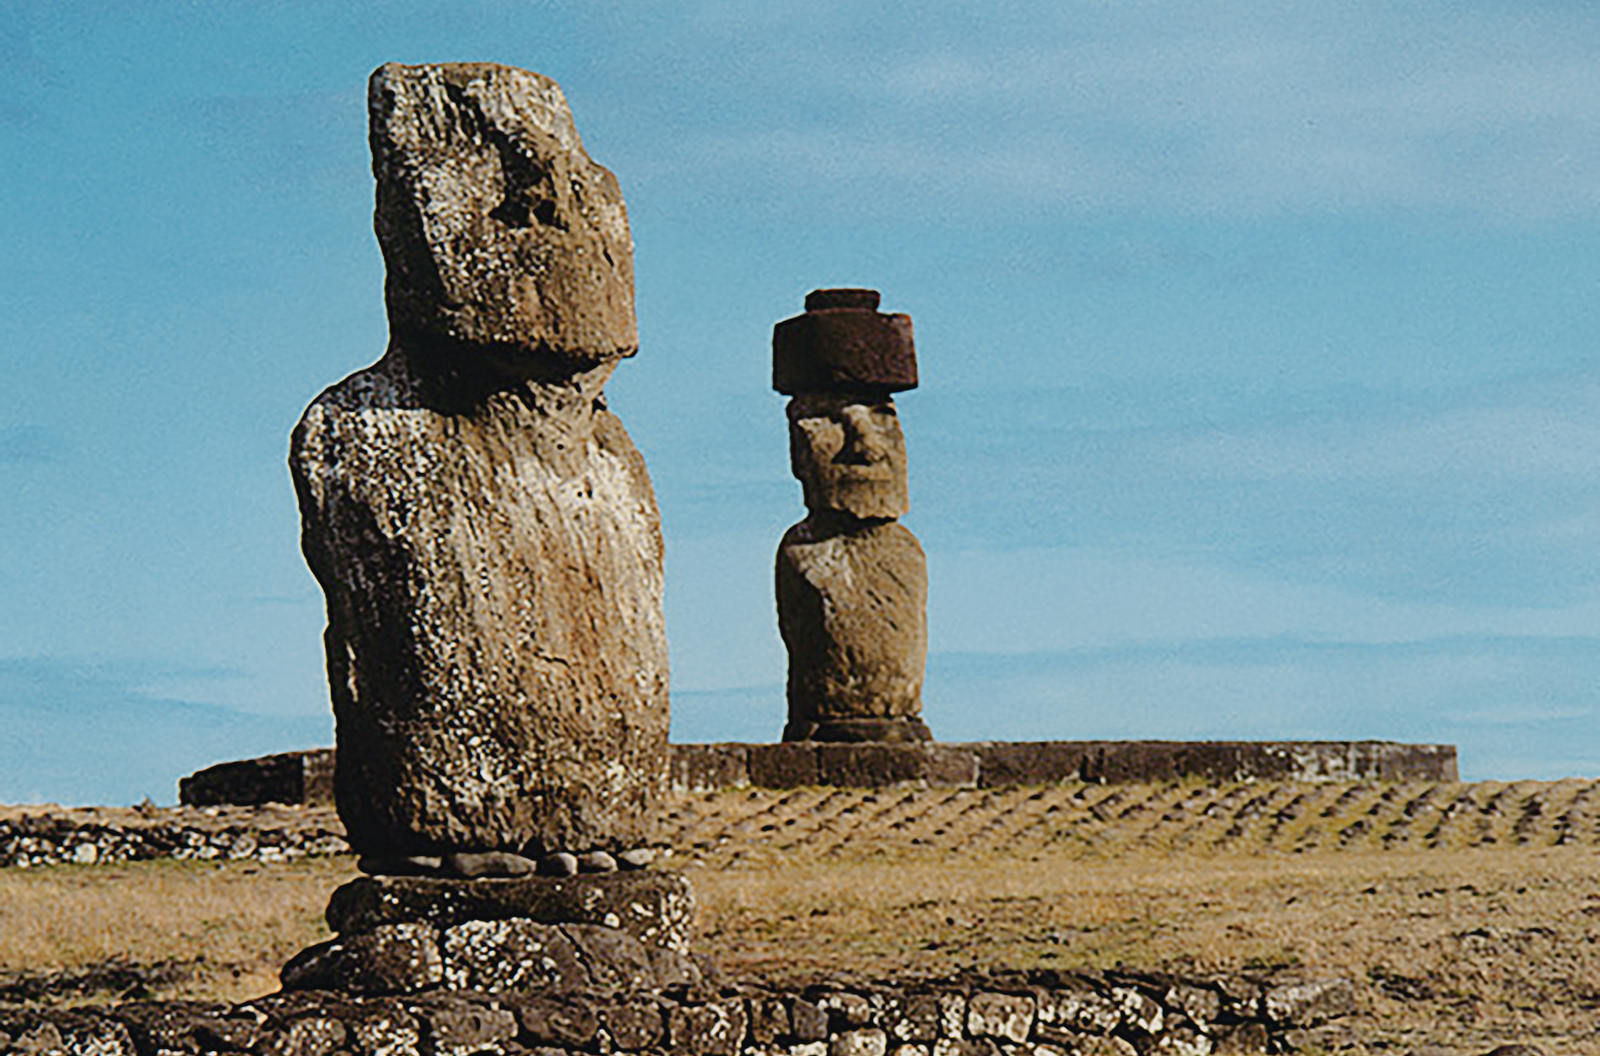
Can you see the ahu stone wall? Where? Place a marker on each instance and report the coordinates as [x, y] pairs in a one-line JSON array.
[[305, 777], [1040, 1014]]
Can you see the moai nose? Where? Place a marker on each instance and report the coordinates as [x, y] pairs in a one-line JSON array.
[[863, 441]]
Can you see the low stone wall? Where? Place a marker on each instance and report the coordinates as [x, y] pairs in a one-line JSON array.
[[1005, 764], [87, 836], [307, 777], [1037, 1014]]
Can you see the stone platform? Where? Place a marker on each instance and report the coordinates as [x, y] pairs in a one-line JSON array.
[[1008, 764], [412, 934], [300, 777]]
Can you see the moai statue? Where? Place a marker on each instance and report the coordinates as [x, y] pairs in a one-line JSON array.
[[852, 581], [482, 526]]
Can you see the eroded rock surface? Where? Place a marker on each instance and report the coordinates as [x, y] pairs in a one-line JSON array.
[[482, 526]]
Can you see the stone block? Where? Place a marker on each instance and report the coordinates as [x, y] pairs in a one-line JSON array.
[[879, 765], [810, 1021], [635, 1024], [952, 1014], [1010, 764], [226, 1033], [1106, 1046], [768, 1017], [1141, 1014], [95, 1035], [966, 1047], [847, 348], [672, 968], [709, 767], [1080, 1008], [312, 1034], [865, 1041], [657, 908], [615, 959], [389, 959], [1201, 1005], [499, 955], [1005, 1016], [564, 1022], [846, 1010], [384, 1029], [157, 1025], [714, 1029], [917, 1019], [1243, 1039], [457, 1025], [1182, 1040], [1309, 1003], [784, 765]]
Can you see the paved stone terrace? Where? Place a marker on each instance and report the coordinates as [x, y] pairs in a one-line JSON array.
[[734, 824], [1094, 819]]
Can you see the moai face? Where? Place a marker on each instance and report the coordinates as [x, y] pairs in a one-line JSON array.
[[849, 454]]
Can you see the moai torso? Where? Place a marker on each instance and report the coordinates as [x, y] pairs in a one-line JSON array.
[[851, 581], [483, 528]]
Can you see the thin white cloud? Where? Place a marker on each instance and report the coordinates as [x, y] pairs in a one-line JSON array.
[[1221, 108], [1542, 429], [1054, 599]]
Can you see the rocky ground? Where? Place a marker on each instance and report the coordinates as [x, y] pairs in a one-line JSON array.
[[1463, 914]]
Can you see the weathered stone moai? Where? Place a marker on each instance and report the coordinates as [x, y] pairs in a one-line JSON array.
[[481, 524], [852, 582]]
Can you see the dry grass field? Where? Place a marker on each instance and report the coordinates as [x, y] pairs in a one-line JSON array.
[[1469, 914]]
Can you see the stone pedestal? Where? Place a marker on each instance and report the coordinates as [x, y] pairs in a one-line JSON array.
[[402, 935]]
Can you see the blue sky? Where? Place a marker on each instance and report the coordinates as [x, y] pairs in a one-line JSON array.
[[1260, 395]]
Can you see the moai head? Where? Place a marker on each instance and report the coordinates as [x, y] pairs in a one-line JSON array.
[[505, 244], [849, 454], [840, 361]]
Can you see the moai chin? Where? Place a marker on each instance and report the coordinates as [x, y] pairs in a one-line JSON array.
[[482, 526], [852, 582]]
